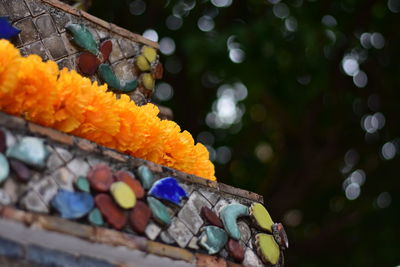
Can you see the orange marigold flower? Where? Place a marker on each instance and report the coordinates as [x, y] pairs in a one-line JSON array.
[[71, 103], [9, 65]]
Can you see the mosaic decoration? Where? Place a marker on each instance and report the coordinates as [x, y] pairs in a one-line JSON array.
[[123, 195], [30, 151], [267, 248], [139, 217], [95, 59], [146, 176], [159, 211], [229, 215], [168, 189], [261, 217], [72, 205], [7, 31], [213, 239], [4, 168], [95, 217], [113, 214], [104, 195]]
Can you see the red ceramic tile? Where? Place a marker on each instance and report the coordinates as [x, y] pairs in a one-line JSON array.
[[111, 212], [235, 250], [139, 217], [105, 49], [209, 216], [88, 63], [158, 71], [100, 178]]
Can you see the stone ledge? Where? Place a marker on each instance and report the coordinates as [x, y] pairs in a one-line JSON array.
[[19, 124], [178, 234], [17, 238], [109, 237]]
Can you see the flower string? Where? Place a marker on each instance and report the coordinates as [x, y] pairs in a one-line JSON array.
[[66, 101]]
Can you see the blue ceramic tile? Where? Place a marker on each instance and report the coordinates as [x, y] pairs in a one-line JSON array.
[[7, 31], [229, 215], [4, 168], [159, 211], [145, 176], [31, 151], [72, 205], [168, 189], [213, 239]]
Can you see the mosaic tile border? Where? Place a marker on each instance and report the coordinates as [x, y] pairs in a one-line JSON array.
[[72, 157], [43, 32]]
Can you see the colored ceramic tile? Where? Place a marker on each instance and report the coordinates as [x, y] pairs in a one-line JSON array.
[[149, 53], [140, 217], [3, 142], [72, 205], [145, 176], [33, 202], [123, 195], [180, 232], [88, 63], [31, 151], [229, 215], [96, 218], [108, 76], [105, 49], [142, 63], [279, 233], [22, 172], [4, 168], [209, 216], [7, 31], [267, 248], [235, 250], [159, 211], [168, 189], [113, 214], [100, 177], [213, 239], [261, 216], [82, 184], [130, 180], [148, 81], [158, 71], [83, 37]]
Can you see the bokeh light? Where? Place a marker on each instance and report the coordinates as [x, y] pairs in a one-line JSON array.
[[167, 46], [137, 7], [388, 150], [173, 23], [221, 3], [164, 91], [151, 35], [205, 23]]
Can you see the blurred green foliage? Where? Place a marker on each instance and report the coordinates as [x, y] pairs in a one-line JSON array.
[[319, 76]]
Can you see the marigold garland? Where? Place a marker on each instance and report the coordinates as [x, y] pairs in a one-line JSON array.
[[68, 102]]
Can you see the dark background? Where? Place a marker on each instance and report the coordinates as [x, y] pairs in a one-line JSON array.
[[296, 100]]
